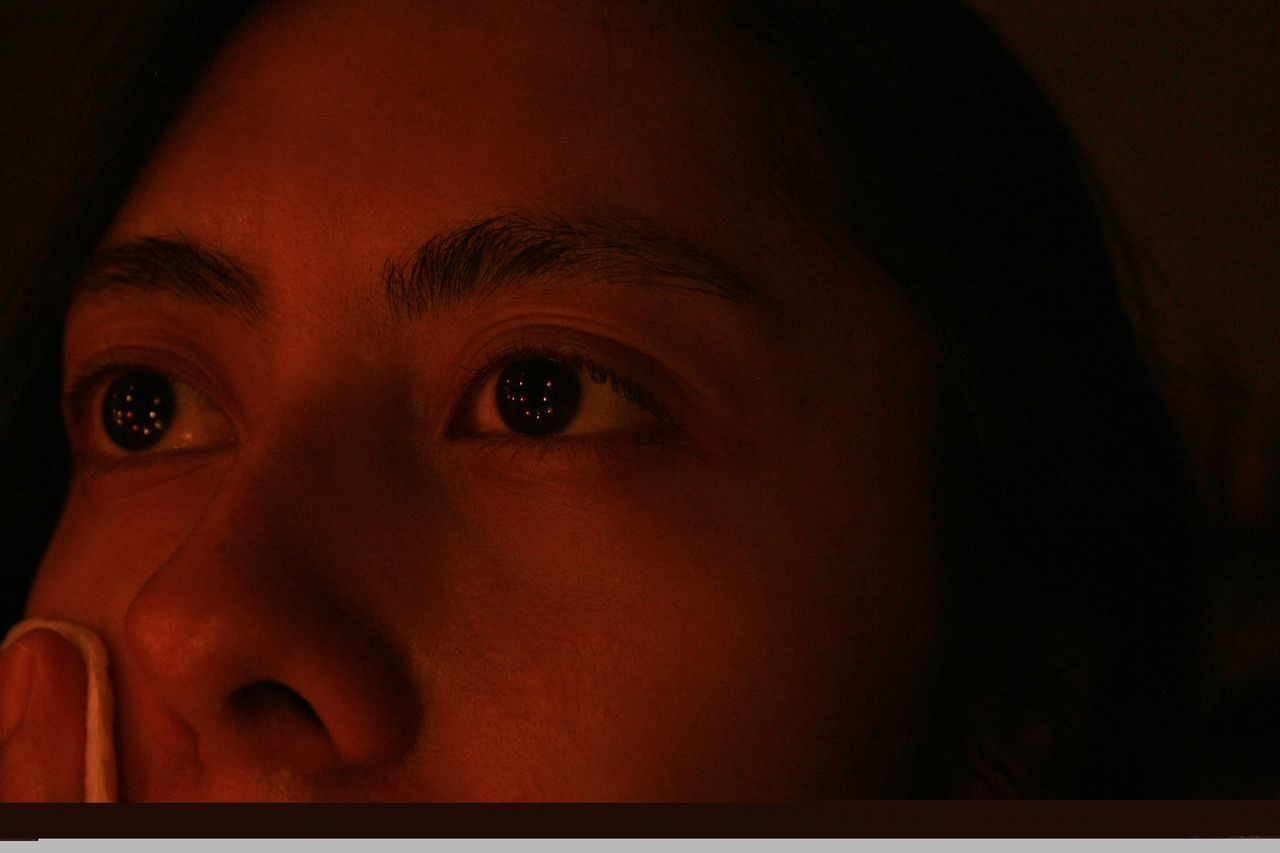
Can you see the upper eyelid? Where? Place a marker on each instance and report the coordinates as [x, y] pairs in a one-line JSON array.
[[82, 384], [570, 355]]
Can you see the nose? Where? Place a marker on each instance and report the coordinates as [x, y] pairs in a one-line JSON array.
[[259, 642]]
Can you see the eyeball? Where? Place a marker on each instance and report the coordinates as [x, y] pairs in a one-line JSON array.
[[144, 412]]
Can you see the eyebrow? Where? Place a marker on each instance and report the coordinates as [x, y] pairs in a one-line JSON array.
[[468, 263], [472, 262], [179, 267]]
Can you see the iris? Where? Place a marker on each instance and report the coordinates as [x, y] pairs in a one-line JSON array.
[[538, 396], [137, 409]]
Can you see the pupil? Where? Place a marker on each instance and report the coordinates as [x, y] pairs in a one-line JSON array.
[[538, 396], [138, 409]]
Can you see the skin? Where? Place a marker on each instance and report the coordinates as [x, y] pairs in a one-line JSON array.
[[737, 601]]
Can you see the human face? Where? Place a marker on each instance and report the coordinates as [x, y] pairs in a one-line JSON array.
[[341, 573]]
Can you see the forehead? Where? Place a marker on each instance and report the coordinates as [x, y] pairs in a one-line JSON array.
[[331, 135], [414, 114]]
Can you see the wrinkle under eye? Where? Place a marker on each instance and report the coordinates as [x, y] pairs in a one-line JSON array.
[[137, 409], [538, 396]]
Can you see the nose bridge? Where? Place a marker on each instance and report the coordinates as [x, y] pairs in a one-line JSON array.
[[333, 470], [258, 631], [340, 444]]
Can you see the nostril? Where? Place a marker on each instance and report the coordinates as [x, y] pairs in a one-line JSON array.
[[263, 699]]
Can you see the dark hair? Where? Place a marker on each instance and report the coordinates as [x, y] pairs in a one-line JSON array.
[[1065, 666], [1066, 490]]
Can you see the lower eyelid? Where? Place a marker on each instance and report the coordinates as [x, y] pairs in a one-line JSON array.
[[542, 460]]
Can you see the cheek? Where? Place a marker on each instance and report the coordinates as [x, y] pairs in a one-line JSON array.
[[697, 635], [111, 539]]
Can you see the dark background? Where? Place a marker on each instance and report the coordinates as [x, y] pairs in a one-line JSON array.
[[1177, 104]]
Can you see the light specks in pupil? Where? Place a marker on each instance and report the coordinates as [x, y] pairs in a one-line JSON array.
[[538, 396], [137, 409]]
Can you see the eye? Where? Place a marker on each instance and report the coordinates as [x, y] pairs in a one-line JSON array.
[[135, 412], [556, 395]]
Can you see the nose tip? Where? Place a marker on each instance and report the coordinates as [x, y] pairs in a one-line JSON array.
[[274, 631], [268, 677]]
